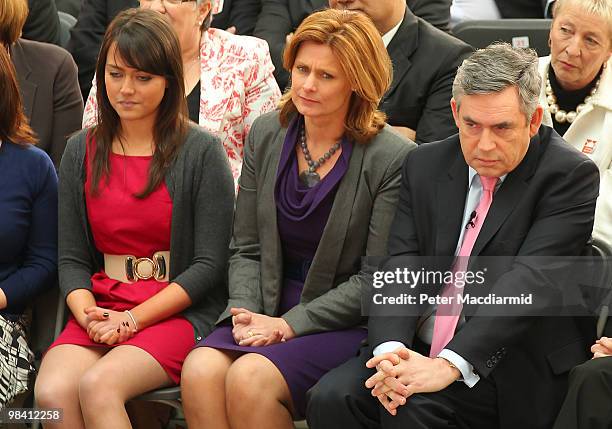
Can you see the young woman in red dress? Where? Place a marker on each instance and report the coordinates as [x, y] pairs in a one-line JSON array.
[[145, 219]]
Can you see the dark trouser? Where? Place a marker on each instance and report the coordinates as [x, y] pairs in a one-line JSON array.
[[588, 404], [341, 401]]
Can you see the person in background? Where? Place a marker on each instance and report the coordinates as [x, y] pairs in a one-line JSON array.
[[47, 78], [577, 101], [28, 232], [146, 202], [278, 19], [237, 16], [317, 191], [576, 94], [228, 78], [43, 23]]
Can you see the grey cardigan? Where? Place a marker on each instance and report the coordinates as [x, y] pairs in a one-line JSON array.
[[358, 225], [201, 187]]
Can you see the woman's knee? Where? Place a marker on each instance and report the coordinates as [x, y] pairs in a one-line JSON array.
[[204, 367], [251, 375], [54, 391], [97, 389]]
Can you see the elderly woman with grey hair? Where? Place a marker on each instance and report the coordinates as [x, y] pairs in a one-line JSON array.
[[229, 79], [577, 90]]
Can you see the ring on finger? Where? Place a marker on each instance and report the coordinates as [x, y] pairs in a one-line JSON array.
[[250, 333]]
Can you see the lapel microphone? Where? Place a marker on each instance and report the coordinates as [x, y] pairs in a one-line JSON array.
[[471, 221]]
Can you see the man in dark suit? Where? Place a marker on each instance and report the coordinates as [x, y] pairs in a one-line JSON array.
[[424, 60], [278, 18], [503, 187]]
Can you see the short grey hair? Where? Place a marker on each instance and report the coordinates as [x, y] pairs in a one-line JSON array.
[[598, 8], [497, 67]]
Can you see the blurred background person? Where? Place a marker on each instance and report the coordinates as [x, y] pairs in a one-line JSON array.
[[47, 78], [279, 19], [577, 101], [228, 78], [317, 192], [145, 220], [237, 16], [577, 90], [28, 232], [42, 23]]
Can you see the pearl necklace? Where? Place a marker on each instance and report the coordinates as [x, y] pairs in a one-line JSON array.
[[562, 116], [310, 177]]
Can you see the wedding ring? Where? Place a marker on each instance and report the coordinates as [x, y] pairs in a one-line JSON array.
[[250, 333]]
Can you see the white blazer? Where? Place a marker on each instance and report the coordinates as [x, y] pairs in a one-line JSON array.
[[591, 133]]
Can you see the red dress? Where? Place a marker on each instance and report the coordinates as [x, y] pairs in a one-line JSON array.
[[122, 224]]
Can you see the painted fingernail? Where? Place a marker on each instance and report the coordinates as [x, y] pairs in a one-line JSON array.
[[118, 330], [105, 314]]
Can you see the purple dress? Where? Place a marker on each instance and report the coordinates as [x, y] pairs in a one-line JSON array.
[[302, 215]]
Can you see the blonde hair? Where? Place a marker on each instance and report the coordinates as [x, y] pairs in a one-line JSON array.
[[599, 8], [359, 49], [13, 14]]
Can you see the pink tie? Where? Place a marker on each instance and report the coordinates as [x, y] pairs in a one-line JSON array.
[[446, 322]]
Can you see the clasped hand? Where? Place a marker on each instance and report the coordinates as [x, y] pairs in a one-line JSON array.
[[602, 348], [108, 326], [403, 372], [256, 330]]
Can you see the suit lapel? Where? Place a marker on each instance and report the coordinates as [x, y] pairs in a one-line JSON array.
[[508, 195], [450, 195], [27, 88], [401, 48], [326, 260], [273, 257]]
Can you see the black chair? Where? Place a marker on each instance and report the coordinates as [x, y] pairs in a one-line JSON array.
[[524, 33]]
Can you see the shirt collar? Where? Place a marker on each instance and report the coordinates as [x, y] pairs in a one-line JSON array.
[[473, 173], [388, 36]]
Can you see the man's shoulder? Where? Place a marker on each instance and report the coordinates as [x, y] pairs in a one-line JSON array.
[[557, 150]]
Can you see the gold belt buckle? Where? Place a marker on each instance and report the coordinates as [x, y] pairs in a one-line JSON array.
[[153, 267]]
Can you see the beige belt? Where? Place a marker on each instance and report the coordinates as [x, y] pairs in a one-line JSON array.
[[129, 268]]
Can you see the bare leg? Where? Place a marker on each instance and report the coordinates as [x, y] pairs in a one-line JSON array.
[[203, 387], [57, 383], [257, 395], [123, 373]]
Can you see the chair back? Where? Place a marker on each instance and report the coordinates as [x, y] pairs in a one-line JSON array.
[[520, 33]]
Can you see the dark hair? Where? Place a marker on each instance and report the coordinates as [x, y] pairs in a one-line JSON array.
[[13, 122], [145, 41]]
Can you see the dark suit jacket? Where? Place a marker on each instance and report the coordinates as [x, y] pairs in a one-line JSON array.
[[545, 207], [358, 224], [281, 17], [521, 8], [71, 7], [86, 36], [425, 61], [42, 23], [242, 14], [47, 78]]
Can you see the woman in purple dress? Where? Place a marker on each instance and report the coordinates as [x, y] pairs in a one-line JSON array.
[[317, 192]]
